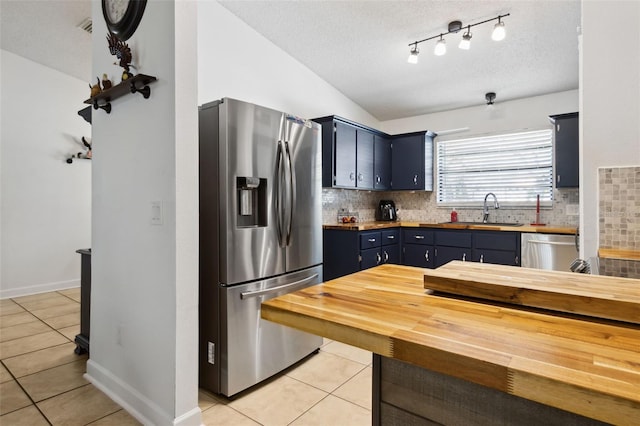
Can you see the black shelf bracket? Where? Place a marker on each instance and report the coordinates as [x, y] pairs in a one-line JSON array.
[[103, 99]]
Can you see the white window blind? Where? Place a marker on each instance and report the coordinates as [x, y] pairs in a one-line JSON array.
[[516, 167]]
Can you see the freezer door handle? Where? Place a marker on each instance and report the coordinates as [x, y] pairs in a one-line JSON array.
[[290, 193], [277, 289], [551, 243]]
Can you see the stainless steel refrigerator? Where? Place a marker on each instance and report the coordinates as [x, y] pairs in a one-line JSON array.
[[260, 237]]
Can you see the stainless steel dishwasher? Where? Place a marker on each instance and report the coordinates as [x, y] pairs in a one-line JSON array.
[[548, 251]]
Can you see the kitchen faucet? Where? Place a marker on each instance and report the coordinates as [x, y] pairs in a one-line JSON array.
[[485, 210]]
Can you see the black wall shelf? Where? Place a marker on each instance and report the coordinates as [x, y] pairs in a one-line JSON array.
[[138, 83]]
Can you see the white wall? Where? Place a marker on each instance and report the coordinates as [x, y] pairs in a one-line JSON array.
[[144, 304], [520, 114], [235, 61], [46, 203], [610, 98]]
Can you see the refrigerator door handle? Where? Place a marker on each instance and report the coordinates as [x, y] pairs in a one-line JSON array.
[[291, 194], [277, 289], [277, 194]]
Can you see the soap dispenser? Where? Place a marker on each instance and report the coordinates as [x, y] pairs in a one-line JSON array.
[[454, 215]]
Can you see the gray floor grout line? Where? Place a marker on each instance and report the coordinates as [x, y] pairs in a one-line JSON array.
[[26, 393]]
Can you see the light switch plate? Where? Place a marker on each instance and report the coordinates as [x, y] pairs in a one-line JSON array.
[[156, 213]]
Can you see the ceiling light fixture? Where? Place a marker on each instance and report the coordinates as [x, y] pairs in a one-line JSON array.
[[498, 34], [465, 43], [441, 47], [490, 97], [413, 55]]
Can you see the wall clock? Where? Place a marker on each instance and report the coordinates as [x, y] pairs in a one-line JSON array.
[[123, 16]]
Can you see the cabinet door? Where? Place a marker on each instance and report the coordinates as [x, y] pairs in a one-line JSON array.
[[381, 163], [344, 155], [417, 255], [567, 152], [412, 162], [364, 162], [445, 255], [339, 253], [407, 163], [391, 254], [370, 258], [498, 257]]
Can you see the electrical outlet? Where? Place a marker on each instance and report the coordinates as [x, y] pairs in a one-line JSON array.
[[573, 209], [211, 356]]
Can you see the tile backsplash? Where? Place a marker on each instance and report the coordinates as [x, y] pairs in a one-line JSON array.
[[421, 206], [619, 207]]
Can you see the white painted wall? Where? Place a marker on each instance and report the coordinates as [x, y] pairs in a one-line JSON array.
[[46, 203], [610, 101], [520, 114], [144, 302], [235, 61]]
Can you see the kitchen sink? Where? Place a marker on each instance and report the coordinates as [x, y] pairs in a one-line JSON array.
[[485, 224]]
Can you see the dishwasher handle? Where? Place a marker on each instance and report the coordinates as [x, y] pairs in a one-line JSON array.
[[551, 243], [277, 289]]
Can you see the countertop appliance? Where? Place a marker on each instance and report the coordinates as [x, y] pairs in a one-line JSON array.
[[260, 237], [386, 211], [548, 251]]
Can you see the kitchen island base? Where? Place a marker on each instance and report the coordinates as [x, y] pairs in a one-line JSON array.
[[407, 395]]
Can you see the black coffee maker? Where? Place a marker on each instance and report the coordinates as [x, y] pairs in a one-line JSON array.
[[386, 211]]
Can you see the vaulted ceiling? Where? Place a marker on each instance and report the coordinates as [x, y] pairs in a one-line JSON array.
[[361, 47]]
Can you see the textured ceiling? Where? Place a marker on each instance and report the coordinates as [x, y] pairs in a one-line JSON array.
[[361, 47]]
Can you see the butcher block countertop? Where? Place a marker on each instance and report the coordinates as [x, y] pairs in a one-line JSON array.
[[593, 295], [367, 226], [576, 363]]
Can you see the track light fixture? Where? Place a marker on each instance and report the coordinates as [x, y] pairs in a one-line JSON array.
[[413, 55], [440, 49], [490, 97]]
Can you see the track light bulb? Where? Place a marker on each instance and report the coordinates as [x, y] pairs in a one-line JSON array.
[[413, 56], [441, 47], [465, 43], [499, 31]]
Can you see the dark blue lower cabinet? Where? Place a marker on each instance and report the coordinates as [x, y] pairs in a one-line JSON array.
[[390, 254], [370, 258], [418, 255], [445, 255], [498, 257]]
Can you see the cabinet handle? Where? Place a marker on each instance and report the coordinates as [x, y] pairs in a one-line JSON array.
[[372, 240], [391, 237], [419, 237], [378, 258], [557, 178], [464, 257], [426, 255], [415, 179], [482, 258], [352, 176], [360, 177], [378, 179], [517, 260], [386, 256]]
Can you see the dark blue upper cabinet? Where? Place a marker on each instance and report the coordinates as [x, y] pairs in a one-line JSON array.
[[364, 159], [381, 163], [345, 155], [567, 150], [355, 156], [412, 162]]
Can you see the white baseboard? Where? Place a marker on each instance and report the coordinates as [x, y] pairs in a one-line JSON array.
[[40, 288], [144, 410]]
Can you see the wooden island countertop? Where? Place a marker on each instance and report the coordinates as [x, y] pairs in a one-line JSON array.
[[583, 365]]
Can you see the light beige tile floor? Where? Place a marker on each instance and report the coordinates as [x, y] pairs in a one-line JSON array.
[[41, 379]]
